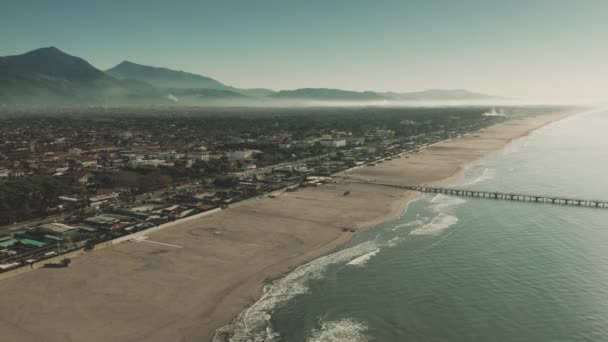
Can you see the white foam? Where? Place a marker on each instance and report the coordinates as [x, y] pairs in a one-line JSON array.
[[437, 226], [253, 324], [443, 202], [362, 260], [397, 240], [486, 175], [416, 222], [343, 330]]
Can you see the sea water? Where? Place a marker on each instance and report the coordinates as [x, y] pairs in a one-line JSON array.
[[456, 269]]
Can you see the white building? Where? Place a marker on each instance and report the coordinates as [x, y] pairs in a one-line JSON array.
[[198, 155], [333, 143], [240, 155], [385, 132], [74, 151], [170, 155], [145, 162], [355, 141]]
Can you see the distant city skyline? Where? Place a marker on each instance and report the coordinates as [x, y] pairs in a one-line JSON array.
[[533, 50]]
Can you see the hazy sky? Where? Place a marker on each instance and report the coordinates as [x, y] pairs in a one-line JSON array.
[[536, 49]]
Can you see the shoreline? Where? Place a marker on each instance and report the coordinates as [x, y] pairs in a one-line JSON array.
[[558, 117], [400, 207], [186, 282]]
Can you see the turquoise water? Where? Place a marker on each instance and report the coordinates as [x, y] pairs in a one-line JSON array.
[[454, 269]]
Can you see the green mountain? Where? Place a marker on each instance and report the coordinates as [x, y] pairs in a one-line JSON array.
[[325, 94], [48, 76], [52, 77], [164, 78]]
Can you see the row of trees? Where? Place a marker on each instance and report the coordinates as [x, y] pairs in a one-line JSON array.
[[23, 198]]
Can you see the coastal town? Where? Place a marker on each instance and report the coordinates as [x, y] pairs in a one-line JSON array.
[[73, 182], [156, 249], [303, 171]]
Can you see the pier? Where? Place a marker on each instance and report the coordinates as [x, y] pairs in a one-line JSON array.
[[497, 195]]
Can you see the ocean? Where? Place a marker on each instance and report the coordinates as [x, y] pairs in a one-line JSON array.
[[467, 269]]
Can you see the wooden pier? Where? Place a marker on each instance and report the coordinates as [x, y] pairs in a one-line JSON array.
[[496, 195]]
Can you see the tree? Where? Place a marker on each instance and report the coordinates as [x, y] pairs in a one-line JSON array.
[[226, 181]]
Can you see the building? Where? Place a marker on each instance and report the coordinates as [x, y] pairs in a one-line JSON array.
[[102, 221], [88, 161], [170, 155], [145, 162], [198, 155], [355, 141], [240, 155], [74, 152], [99, 200], [333, 143], [58, 230], [385, 133]]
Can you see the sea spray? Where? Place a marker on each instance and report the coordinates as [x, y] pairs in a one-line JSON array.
[[486, 175], [441, 202], [362, 260], [437, 226], [254, 325], [343, 330]]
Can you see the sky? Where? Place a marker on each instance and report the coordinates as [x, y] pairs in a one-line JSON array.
[[544, 50]]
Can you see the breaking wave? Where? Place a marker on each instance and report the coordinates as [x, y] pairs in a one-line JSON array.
[[439, 224], [253, 324], [442, 202], [362, 260], [416, 222], [343, 330], [486, 175]]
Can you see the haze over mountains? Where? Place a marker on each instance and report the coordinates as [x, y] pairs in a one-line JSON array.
[[48, 76]]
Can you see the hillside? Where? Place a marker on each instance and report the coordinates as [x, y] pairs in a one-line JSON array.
[[50, 76], [162, 77], [165, 78], [325, 94]]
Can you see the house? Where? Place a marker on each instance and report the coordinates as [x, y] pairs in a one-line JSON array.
[[335, 143], [88, 162], [102, 221], [355, 141], [17, 173], [385, 133], [84, 177], [198, 155], [74, 151], [60, 230], [98, 200], [240, 155], [7, 241]]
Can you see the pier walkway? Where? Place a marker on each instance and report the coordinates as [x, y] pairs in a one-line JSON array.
[[497, 195]]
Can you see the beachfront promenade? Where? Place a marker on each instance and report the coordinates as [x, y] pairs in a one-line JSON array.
[[496, 195]]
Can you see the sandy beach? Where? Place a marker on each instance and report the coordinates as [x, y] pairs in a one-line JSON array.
[[183, 283]]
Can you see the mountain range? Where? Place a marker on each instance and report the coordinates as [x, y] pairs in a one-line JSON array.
[[49, 76]]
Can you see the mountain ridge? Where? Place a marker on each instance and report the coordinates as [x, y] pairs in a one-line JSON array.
[[50, 76], [328, 94], [166, 78], [162, 77]]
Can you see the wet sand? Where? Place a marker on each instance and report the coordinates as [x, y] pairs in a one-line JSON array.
[[183, 283]]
